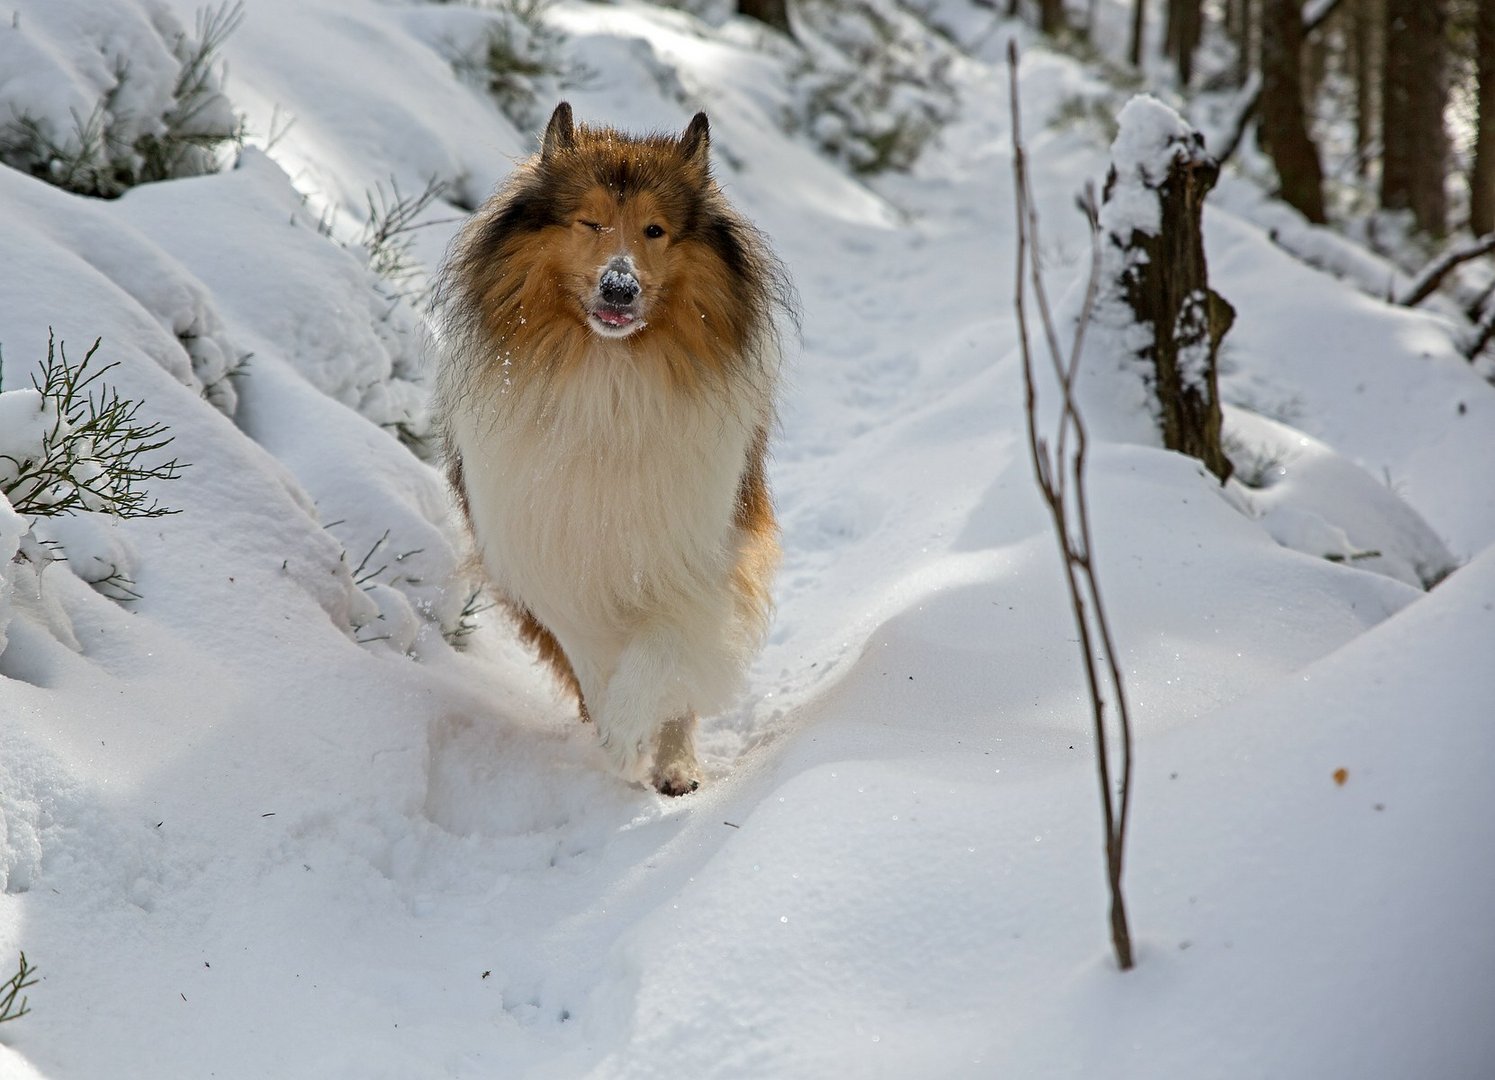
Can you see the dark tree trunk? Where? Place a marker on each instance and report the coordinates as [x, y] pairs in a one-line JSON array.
[[1134, 47], [1367, 64], [1482, 179], [1051, 16], [1284, 127], [1242, 26], [1415, 142], [775, 13], [1181, 37], [1165, 282]]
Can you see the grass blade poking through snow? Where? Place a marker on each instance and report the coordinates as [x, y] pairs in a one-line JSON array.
[[386, 237], [1059, 471], [11, 987]]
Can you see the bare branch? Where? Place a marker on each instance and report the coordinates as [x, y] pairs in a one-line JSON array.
[[1432, 275], [1484, 330]]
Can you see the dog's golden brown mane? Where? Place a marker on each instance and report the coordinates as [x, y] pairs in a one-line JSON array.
[[503, 295]]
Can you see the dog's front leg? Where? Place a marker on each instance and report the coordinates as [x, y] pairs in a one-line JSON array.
[[647, 689], [675, 768]]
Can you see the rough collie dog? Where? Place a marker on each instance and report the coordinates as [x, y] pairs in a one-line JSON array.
[[609, 366]]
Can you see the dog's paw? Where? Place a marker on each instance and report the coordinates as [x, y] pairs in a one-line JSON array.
[[677, 778], [629, 756]]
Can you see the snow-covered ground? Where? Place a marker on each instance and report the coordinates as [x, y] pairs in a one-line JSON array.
[[263, 821]]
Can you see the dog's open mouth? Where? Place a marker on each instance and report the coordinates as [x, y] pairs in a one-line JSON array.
[[614, 316], [611, 321]]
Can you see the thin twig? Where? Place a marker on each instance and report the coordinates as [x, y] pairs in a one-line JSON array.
[[1060, 489], [11, 987]]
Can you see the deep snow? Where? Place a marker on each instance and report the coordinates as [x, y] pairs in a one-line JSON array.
[[263, 821]]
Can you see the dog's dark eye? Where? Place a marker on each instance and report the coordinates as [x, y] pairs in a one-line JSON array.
[[654, 232], [594, 226]]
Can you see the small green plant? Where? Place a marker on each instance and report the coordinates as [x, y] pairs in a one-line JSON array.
[[874, 86], [82, 163], [366, 578], [520, 61], [1255, 467], [11, 987], [200, 120], [92, 450], [386, 237], [113, 149], [117, 586], [467, 619]]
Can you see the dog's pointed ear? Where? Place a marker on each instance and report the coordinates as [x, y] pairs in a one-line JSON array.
[[695, 144], [560, 133]]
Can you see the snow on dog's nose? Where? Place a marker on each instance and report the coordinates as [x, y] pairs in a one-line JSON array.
[[615, 314], [618, 286]]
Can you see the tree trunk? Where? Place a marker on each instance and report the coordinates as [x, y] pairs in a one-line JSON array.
[[1367, 64], [1134, 48], [1051, 16], [1284, 128], [1181, 37], [1482, 178], [1164, 280], [1415, 142], [1241, 26], [774, 13]]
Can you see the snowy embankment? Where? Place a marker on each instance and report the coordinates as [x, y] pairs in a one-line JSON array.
[[264, 820]]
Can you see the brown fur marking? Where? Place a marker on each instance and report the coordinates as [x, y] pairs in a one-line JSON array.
[[534, 634], [758, 557]]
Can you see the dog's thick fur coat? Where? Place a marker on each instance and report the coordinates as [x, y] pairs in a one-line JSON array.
[[609, 366]]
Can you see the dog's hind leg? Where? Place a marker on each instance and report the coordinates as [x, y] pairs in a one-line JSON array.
[[535, 634]]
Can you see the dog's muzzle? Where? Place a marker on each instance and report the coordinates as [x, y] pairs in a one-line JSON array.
[[616, 311], [618, 287]]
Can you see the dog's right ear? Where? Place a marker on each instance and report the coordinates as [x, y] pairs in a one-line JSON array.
[[560, 133]]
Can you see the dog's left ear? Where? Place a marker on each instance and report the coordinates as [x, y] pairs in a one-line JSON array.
[[560, 133], [695, 144]]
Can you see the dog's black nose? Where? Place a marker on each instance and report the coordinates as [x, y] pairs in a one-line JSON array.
[[618, 287]]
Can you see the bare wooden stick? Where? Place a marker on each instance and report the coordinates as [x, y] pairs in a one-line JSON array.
[[1061, 481]]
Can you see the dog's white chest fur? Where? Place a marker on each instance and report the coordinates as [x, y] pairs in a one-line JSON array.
[[605, 501]]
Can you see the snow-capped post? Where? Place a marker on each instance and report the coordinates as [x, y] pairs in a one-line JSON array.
[[1059, 470], [1154, 272]]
